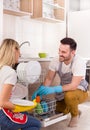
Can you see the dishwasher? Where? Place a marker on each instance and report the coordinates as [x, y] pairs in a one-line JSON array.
[[49, 115]]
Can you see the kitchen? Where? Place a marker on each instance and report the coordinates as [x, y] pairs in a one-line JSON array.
[[42, 35]]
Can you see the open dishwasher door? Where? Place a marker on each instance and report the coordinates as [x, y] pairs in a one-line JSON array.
[[47, 121], [49, 115]]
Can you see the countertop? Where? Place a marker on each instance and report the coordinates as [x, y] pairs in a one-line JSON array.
[[35, 59], [22, 59]]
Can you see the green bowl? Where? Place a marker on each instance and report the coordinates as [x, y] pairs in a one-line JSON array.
[[42, 55]]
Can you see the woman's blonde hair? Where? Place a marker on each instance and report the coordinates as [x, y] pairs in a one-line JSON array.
[[7, 52]]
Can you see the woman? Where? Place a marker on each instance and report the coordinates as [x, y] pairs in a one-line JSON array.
[[9, 118]]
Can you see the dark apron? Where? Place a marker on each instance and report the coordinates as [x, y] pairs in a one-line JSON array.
[[66, 79]]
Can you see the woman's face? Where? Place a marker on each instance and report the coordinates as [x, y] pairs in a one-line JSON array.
[[17, 55]]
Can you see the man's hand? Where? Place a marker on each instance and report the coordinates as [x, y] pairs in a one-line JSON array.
[[45, 90]]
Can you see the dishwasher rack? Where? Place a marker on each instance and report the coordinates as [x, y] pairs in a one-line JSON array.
[[30, 79], [48, 106], [49, 115]]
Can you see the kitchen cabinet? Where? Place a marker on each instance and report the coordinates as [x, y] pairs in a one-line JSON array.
[[26, 6], [17, 7], [47, 10]]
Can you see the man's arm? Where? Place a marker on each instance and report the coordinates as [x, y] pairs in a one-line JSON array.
[[45, 89], [74, 83], [72, 86], [49, 78]]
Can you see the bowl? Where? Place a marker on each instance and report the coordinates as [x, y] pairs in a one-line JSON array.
[[42, 55]]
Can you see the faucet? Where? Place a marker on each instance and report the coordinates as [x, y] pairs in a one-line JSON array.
[[25, 43]]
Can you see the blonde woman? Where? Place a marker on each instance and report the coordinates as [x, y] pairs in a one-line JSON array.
[[9, 118]]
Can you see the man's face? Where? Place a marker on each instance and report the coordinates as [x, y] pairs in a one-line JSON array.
[[65, 53]]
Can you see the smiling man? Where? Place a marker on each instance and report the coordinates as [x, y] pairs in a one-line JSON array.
[[71, 69]]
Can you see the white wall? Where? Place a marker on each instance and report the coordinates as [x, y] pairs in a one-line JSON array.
[[77, 5], [79, 29], [53, 33], [1, 19], [42, 36], [84, 4]]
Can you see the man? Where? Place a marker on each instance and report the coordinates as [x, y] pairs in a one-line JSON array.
[[71, 69]]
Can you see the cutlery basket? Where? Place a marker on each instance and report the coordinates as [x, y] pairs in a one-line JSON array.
[[47, 106]]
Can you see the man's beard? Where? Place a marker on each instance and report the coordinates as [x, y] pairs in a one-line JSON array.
[[62, 58]]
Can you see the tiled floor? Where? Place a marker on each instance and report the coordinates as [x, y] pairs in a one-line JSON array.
[[83, 123]]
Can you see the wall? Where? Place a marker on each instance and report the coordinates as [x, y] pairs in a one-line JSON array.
[[1, 19], [74, 5], [84, 4], [42, 36], [79, 29], [77, 5]]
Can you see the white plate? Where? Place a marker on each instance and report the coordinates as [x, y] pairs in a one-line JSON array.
[[22, 102], [29, 72], [21, 72], [33, 71]]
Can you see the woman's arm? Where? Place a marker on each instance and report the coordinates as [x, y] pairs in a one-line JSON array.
[[5, 96]]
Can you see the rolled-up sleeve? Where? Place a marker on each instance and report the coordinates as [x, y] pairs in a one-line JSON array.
[[11, 78]]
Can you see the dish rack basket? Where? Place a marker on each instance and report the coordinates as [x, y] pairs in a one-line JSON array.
[[47, 106], [25, 79]]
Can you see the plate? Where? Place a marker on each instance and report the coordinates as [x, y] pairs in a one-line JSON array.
[[22, 102], [33, 71], [21, 72], [29, 72]]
